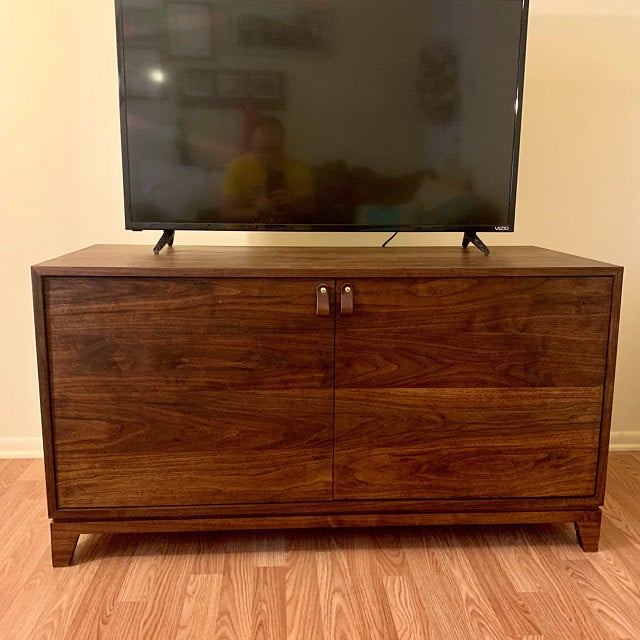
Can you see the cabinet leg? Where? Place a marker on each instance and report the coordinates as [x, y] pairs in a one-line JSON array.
[[63, 544], [588, 531]]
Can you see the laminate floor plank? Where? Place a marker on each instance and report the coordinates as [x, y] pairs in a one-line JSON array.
[[150, 553], [23, 547], [163, 605], [268, 611], [623, 503], [354, 546], [609, 604], [560, 608], [12, 471], [97, 607], [511, 609], [619, 517], [34, 471], [268, 549], [387, 551], [20, 501], [237, 588], [449, 587], [14, 497], [55, 621], [556, 620], [529, 582], [364, 564], [617, 543], [203, 553], [303, 613], [373, 609], [47, 590], [617, 574], [557, 542], [200, 607], [22, 605], [126, 621], [337, 608], [410, 617], [519, 560]]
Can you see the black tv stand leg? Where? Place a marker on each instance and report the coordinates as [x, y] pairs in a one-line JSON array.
[[472, 237], [166, 240]]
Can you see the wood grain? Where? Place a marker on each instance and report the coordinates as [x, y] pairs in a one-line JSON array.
[[186, 333], [447, 582], [63, 545], [337, 608], [336, 507], [457, 443], [303, 615], [475, 332], [588, 531], [317, 262], [235, 605], [221, 457], [200, 607], [141, 373], [408, 609], [269, 604], [460, 606]]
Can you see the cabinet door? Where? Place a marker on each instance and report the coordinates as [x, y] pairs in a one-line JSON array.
[[189, 391], [462, 388]]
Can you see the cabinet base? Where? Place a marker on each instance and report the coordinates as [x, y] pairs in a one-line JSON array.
[[64, 535], [63, 543], [588, 531]]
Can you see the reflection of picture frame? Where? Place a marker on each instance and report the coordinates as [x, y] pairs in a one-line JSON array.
[[145, 75], [231, 85], [190, 30], [265, 86], [220, 88], [198, 84], [285, 26], [144, 26]]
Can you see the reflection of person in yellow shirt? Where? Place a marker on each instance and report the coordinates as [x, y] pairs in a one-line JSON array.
[[261, 184]]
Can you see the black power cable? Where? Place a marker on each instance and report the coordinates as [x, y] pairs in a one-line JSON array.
[[390, 239]]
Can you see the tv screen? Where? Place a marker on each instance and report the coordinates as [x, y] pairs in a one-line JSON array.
[[321, 114]]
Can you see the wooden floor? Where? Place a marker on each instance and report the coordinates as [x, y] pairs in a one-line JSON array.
[[527, 582]]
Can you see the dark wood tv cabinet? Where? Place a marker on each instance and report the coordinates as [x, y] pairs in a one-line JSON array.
[[265, 387]]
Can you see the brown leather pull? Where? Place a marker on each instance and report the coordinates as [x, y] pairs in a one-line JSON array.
[[346, 300], [322, 300]]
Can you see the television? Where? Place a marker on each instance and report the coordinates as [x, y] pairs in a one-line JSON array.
[[331, 115]]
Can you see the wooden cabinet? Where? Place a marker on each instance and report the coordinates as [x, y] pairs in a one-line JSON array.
[[210, 388]]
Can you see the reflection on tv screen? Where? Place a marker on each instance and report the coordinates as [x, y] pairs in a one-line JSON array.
[[367, 113]]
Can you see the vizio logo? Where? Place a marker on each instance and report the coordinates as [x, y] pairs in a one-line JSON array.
[[502, 228]]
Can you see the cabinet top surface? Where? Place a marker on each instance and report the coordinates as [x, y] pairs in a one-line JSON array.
[[339, 262]]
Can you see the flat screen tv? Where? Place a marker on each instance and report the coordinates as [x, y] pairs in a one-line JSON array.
[[343, 115]]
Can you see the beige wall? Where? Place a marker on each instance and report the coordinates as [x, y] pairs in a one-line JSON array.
[[60, 180]]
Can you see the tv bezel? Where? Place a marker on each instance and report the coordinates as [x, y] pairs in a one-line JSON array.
[[136, 225]]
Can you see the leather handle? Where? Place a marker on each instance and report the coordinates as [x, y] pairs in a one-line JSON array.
[[322, 300], [346, 300]]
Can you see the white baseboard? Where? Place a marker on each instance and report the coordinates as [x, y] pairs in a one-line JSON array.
[[625, 441], [21, 448]]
